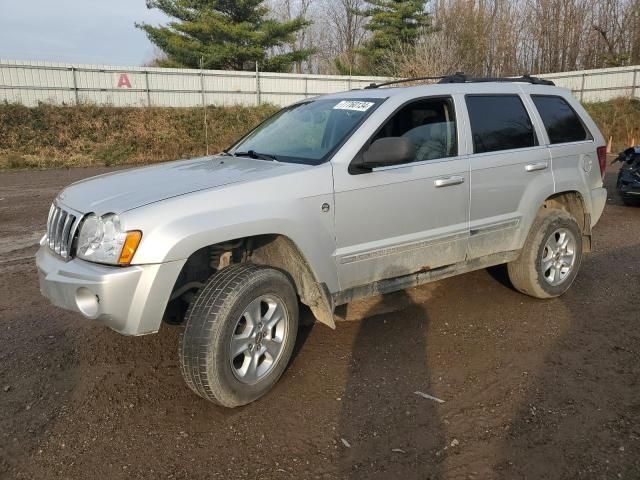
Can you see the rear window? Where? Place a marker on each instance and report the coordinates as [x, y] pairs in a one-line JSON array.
[[561, 121], [499, 122]]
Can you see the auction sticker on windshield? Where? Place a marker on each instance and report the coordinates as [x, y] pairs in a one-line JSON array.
[[354, 105]]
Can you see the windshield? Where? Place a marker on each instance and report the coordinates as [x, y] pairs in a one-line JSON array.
[[306, 132]]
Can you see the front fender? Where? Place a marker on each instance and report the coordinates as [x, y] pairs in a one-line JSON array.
[[292, 207]]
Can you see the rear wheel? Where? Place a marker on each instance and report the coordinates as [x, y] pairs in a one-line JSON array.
[[551, 255], [239, 334]]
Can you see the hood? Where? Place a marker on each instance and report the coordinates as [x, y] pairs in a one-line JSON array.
[[127, 189]]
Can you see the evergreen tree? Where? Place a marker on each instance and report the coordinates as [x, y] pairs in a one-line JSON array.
[[393, 23], [224, 35]]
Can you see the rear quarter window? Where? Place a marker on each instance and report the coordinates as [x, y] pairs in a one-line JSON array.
[[499, 122], [562, 123]]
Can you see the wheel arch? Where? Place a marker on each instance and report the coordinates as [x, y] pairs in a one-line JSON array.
[[281, 252], [274, 250], [574, 203]]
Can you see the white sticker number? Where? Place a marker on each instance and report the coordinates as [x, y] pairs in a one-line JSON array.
[[353, 105]]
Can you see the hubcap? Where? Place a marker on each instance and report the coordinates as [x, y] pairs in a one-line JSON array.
[[257, 340], [558, 256]]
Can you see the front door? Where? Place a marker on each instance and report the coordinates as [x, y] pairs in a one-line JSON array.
[[401, 219]]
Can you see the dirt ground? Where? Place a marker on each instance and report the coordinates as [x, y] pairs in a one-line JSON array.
[[531, 389]]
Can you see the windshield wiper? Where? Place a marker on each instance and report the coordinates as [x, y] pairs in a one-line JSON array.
[[256, 155]]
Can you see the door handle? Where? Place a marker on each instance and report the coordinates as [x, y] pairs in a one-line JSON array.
[[448, 181], [533, 167]]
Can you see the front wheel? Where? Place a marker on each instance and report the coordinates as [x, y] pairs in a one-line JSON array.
[[551, 256], [239, 334]]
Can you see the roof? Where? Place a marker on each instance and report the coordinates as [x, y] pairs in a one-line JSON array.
[[449, 89]]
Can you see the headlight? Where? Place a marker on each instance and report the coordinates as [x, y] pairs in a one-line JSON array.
[[102, 240]]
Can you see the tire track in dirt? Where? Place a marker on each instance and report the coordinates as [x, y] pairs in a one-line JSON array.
[[531, 388]]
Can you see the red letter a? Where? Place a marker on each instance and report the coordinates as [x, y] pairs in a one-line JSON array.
[[123, 81]]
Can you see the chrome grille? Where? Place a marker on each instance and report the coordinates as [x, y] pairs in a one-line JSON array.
[[61, 230]]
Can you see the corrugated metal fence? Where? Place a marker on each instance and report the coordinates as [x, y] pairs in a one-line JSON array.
[[32, 82], [601, 84]]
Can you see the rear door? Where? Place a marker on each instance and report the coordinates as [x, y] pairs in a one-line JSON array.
[[571, 145], [510, 172]]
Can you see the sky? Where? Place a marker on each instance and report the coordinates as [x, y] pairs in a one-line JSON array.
[[76, 31]]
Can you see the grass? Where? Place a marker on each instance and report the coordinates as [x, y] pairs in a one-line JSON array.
[[618, 119], [50, 136]]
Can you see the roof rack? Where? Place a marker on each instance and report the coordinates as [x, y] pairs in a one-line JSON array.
[[460, 77], [403, 80]]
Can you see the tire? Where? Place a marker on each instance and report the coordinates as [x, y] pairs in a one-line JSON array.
[[239, 304], [529, 275], [630, 202]]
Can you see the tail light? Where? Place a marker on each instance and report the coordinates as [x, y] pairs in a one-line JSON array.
[[602, 159]]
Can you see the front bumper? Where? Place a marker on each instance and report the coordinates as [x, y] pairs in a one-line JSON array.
[[130, 300], [630, 191], [628, 185]]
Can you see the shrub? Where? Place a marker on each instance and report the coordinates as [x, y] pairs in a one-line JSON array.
[[48, 135]]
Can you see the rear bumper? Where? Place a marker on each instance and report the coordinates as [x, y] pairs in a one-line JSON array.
[[129, 300], [598, 201]]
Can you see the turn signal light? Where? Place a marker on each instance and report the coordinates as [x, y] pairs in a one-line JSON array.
[[129, 248]]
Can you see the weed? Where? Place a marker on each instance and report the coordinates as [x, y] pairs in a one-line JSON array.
[[49, 136], [67, 136]]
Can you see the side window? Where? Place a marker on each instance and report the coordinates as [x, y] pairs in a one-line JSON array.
[[499, 122], [561, 121], [431, 126]]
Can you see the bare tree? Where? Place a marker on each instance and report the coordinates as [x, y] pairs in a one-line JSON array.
[[480, 37], [346, 22], [431, 56], [335, 34], [304, 39], [511, 37]]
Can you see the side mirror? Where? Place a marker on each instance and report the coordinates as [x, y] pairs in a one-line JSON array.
[[389, 151]]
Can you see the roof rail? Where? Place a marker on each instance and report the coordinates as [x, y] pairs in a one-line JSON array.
[[460, 77], [403, 80]]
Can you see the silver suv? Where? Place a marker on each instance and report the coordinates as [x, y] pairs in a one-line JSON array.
[[332, 199]]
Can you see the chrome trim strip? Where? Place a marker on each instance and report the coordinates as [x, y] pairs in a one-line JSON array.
[[52, 228], [64, 243], [58, 235], [62, 225], [402, 248], [494, 227], [51, 211], [72, 233]]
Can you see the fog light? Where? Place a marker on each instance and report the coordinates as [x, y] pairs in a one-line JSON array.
[[87, 302]]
